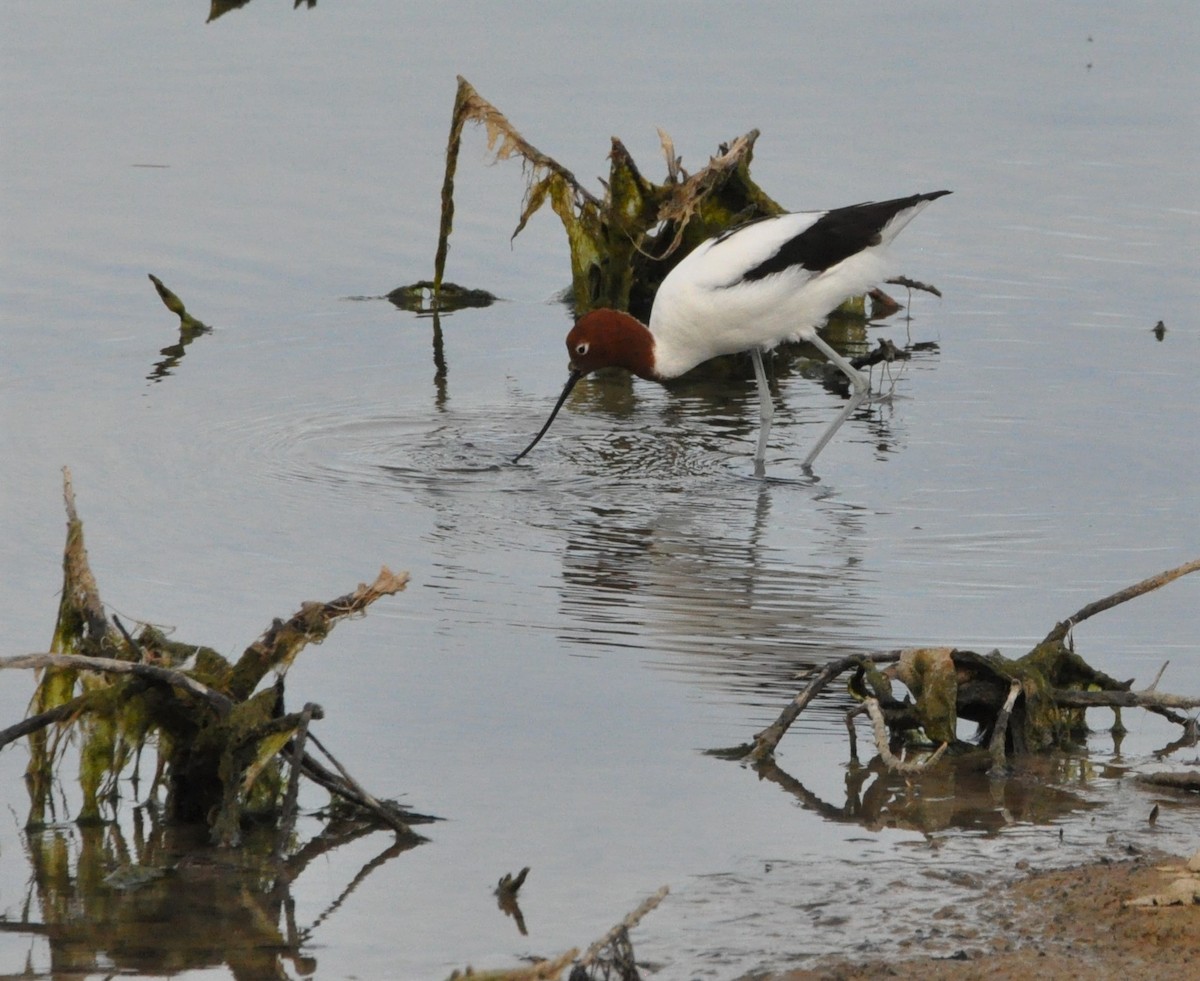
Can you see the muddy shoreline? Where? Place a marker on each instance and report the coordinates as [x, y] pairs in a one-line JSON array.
[[1065, 923]]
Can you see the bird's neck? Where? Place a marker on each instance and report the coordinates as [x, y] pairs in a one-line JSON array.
[[641, 349], [636, 348]]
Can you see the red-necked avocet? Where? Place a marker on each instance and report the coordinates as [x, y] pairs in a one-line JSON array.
[[750, 288]]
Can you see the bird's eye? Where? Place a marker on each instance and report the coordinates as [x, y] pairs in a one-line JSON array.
[[581, 348]]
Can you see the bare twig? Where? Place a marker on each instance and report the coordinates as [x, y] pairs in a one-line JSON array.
[[1131, 592], [287, 816], [360, 796]]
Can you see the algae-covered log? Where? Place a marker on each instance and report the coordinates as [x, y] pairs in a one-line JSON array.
[[219, 739]]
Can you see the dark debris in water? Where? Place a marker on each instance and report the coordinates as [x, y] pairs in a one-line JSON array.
[[421, 297]]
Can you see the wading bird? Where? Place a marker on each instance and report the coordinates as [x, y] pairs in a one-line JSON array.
[[750, 288]]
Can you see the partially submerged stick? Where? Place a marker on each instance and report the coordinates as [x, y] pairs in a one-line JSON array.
[[766, 741]]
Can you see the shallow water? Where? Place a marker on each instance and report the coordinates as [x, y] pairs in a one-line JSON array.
[[580, 627]]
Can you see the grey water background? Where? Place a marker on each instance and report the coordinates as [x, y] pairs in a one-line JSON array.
[[579, 628]]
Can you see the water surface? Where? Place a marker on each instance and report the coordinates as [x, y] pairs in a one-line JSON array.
[[580, 627]]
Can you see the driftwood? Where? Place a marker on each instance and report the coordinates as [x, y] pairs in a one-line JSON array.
[[221, 741], [1034, 703]]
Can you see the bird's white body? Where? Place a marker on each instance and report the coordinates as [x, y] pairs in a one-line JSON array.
[[706, 307]]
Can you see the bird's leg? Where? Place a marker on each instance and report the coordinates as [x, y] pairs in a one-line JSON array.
[[766, 410], [860, 389]]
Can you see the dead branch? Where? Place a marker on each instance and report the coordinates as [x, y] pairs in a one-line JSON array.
[[893, 762], [627, 924], [1124, 699], [1180, 780], [1030, 704], [288, 810], [547, 970], [766, 741], [34, 723], [108, 665], [1145, 586], [277, 648], [221, 741], [359, 795]]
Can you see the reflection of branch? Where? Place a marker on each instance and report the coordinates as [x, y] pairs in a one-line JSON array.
[[1191, 736], [394, 849], [506, 897]]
